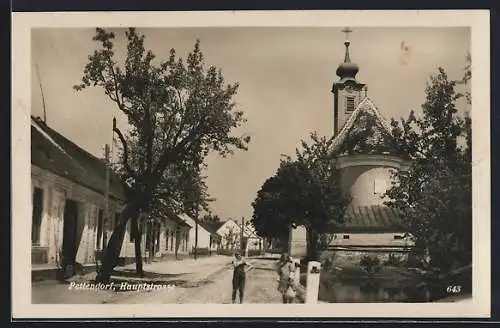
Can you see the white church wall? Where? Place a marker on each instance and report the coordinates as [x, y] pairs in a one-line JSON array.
[[367, 184]]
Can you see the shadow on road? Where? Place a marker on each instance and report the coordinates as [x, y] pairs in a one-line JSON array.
[[129, 273], [264, 269], [195, 284]]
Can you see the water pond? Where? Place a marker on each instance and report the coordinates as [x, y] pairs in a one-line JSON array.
[[388, 286]]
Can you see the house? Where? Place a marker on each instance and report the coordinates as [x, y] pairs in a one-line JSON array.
[[204, 235], [68, 205], [69, 223], [366, 155], [230, 236], [165, 238], [215, 238]]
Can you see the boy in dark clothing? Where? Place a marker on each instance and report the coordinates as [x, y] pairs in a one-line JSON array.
[[239, 275]]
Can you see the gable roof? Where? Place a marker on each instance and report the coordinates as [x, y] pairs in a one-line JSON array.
[[192, 222], [365, 106], [53, 152], [212, 228], [372, 219], [248, 232]]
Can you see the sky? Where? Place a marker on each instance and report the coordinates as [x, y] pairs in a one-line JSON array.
[[285, 76]]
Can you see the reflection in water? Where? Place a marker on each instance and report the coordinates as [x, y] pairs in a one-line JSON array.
[[378, 289]]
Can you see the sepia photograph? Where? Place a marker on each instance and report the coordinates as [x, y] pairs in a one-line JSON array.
[[252, 164]]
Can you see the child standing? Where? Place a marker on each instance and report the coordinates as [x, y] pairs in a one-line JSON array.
[[240, 267], [286, 272]]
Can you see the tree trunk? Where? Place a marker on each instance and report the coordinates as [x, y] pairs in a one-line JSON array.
[[312, 245], [112, 251], [137, 233]]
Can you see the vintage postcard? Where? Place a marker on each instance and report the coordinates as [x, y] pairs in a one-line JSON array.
[[257, 164]]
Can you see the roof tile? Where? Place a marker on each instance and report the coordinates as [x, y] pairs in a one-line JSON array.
[[54, 152]]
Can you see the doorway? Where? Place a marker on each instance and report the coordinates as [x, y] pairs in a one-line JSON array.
[[69, 247]]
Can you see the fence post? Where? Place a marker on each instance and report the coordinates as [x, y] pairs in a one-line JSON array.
[[312, 285]]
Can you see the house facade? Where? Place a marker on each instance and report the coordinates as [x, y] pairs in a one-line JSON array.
[[230, 237], [204, 235], [69, 222]]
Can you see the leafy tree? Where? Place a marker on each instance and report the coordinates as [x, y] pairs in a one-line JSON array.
[[305, 191], [177, 113], [368, 136], [211, 220], [268, 219], [434, 196]]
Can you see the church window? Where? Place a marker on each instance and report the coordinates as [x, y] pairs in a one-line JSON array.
[[349, 104], [380, 186]]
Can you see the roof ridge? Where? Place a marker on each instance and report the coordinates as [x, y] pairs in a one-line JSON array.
[[49, 137], [44, 133], [73, 144], [84, 160]]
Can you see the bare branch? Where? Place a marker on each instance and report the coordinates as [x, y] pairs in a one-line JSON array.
[[131, 172]]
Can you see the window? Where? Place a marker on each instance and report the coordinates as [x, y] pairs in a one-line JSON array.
[[171, 240], [130, 231], [166, 236], [346, 237], [37, 213], [380, 186], [100, 226], [349, 107], [398, 237]]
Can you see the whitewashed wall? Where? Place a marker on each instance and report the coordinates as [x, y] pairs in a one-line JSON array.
[[56, 190]]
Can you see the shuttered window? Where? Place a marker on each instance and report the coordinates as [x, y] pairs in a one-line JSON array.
[[349, 104]]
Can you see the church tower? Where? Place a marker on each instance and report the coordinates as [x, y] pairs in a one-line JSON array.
[[347, 91]]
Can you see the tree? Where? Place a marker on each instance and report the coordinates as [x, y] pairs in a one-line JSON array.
[[268, 219], [305, 191], [177, 113], [435, 196], [211, 220], [230, 238]]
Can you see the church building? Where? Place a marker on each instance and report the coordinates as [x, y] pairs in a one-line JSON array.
[[366, 156]]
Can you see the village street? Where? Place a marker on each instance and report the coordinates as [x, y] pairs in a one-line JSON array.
[[206, 280]]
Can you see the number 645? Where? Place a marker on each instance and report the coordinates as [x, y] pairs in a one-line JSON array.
[[454, 289]]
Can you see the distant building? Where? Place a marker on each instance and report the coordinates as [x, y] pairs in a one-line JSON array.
[[204, 235], [230, 236]]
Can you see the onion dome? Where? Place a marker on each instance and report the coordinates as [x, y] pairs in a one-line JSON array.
[[347, 69]]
